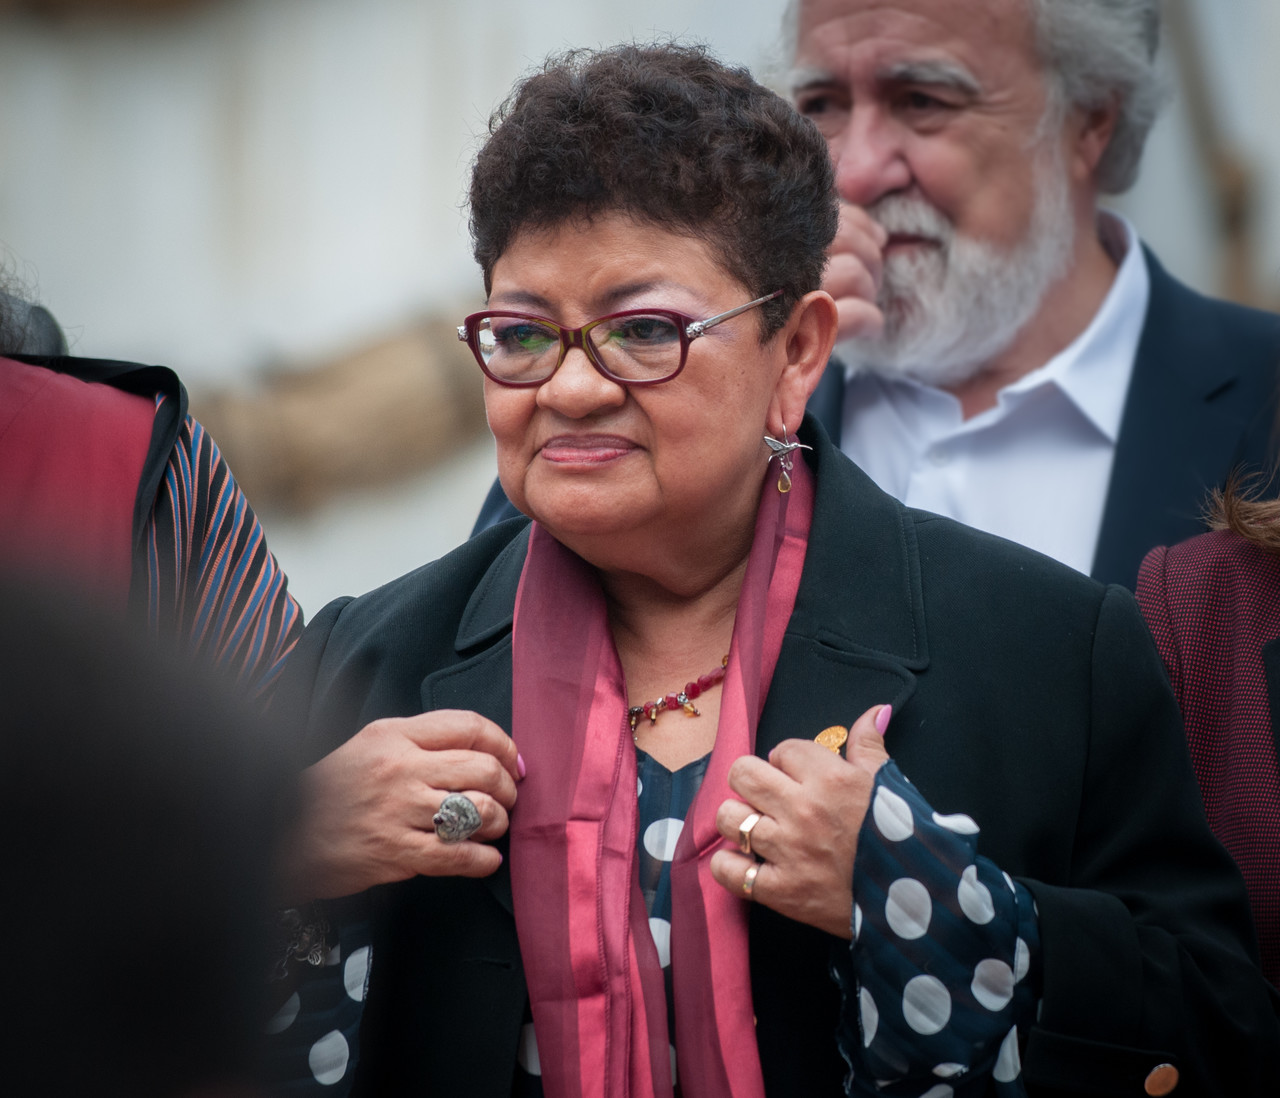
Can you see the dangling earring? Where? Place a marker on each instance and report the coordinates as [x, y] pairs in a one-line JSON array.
[[782, 451]]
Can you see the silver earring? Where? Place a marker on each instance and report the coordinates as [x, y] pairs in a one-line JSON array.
[[782, 451]]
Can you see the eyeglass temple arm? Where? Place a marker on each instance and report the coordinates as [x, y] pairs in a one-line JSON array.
[[698, 327]]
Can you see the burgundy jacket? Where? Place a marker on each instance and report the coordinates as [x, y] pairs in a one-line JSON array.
[[1213, 605]]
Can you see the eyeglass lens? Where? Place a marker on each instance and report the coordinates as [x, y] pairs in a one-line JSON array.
[[639, 347]]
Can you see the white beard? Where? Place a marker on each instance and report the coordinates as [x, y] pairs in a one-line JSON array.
[[949, 309]]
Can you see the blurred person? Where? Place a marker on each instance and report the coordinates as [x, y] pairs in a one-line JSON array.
[[29, 329], [1009, 354], [109, 487], [1213, 605], [141, 811], [646, 888]]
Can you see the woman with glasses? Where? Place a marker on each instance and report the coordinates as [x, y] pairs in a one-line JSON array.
[[621, 773]]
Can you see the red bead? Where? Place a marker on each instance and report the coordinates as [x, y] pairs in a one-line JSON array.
[[648, 709], [672, 701], [692, 690], [706, 682]]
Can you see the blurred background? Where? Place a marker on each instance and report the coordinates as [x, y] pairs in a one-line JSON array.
[[268, 196]]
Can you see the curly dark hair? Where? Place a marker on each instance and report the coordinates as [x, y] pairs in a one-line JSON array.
[[668, 135]]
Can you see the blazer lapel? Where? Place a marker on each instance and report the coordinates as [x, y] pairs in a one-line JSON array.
[[1180, 431], [481, 681], [842, 655]]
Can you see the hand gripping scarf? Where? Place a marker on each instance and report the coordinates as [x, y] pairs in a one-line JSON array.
[[595, 984]]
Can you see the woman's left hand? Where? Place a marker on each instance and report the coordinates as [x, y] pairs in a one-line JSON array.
[[811, 804]]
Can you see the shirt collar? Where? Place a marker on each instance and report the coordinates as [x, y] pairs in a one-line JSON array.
[[1093, 370]]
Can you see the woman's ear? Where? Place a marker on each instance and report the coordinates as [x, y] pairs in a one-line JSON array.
[[805, 343]]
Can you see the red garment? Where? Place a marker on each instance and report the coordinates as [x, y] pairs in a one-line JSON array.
[[1213, 605], [71, 455]]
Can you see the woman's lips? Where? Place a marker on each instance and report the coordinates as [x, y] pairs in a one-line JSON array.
[[586, 449]]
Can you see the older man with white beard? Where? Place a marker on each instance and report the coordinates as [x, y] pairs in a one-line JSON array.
[[1011, 356]]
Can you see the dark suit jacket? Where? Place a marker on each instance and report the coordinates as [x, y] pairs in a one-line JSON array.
[[1213, 605], [1201, 402], [1025, 695]]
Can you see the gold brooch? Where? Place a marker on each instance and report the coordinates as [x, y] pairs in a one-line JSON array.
[[832, 738]]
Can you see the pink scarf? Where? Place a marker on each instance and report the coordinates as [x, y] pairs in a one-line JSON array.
[[595, 984]]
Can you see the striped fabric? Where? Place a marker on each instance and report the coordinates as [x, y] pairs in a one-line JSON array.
[[213, 587]]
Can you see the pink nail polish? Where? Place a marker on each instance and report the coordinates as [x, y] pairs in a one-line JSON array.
[[882, 718], [520, 765]]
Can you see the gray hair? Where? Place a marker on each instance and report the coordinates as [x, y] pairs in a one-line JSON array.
[[1094, 52], [1098, 52]]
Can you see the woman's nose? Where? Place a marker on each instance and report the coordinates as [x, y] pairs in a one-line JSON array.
[[577, 389]]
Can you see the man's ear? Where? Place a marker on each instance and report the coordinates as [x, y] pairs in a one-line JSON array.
[[1088, 135], [805, 341]]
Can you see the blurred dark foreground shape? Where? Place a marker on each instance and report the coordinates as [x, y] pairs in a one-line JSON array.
[[140, 811]]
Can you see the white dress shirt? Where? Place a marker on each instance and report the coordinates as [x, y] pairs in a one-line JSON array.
[[1034, 468]]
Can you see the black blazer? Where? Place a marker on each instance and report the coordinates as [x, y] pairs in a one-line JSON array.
[[1201, 402], [1025, 694]]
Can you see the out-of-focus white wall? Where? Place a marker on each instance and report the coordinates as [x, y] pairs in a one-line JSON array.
[[1239, 43], [255, 181]]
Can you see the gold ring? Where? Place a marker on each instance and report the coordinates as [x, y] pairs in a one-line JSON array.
[[744, 833], [749, 881]]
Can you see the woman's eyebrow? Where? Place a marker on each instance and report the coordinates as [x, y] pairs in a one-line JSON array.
[[521, 298], [528, 299], [631, 290]]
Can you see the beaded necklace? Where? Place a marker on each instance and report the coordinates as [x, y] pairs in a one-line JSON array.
[[682, 700]]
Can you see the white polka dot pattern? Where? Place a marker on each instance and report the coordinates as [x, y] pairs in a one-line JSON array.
[[975, 898], [870, 1016], [1021, 961], [1009, 1062], [527, 1051], [926, 1004], [328, 1059], [959, 823], [908, 909], [942, 938], [356, 973], [992, 984], [661, 931], [892, 815], [661, 836]]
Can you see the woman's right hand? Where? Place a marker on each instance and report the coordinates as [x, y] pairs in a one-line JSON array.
[[367, 808]]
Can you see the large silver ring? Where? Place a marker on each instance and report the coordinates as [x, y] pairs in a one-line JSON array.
[[457, 820]]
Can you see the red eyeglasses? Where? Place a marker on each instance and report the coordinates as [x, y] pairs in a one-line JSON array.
[[634, 347]]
